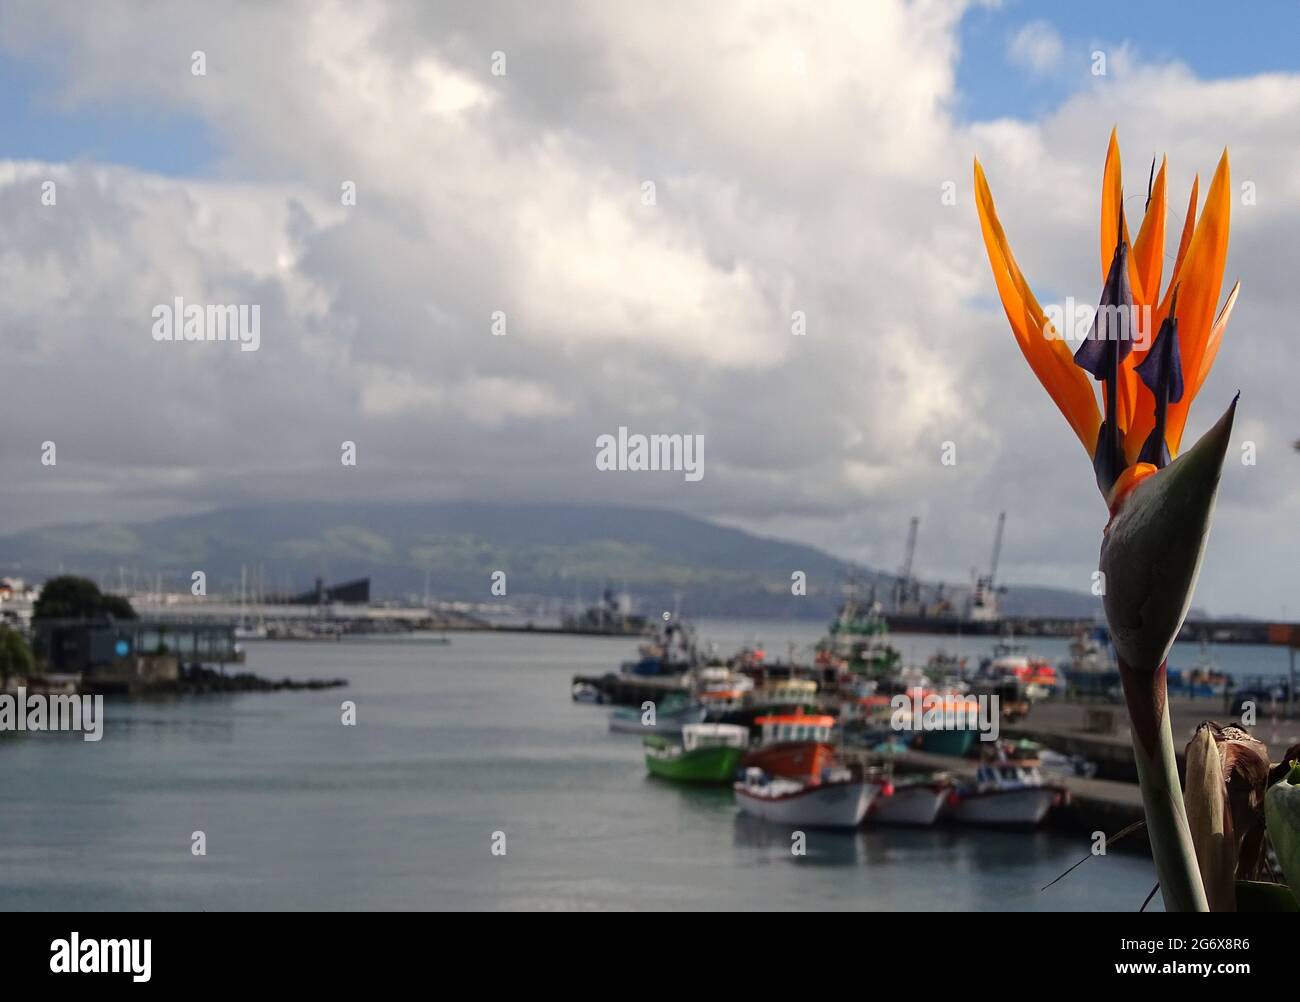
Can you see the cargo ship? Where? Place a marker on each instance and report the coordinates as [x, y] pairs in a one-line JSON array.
[[611, 617], [981, 617]]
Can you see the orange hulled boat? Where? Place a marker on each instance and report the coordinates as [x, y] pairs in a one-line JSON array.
[[795, 745]]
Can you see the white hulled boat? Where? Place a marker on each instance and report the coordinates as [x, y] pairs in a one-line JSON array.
[[1007, 794], [913, 801], [669, 718], [837, 801]]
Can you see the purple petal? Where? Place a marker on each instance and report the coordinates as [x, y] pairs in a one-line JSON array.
[[1162, 369], [1113, 330]]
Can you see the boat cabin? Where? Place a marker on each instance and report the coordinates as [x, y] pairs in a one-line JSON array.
[[792, 690], [796, 727], [1007, 776], [695, 736]]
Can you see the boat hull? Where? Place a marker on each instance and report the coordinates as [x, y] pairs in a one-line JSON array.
[[1006, 808], [703, 765], [917, 806], [665, 723], [945, 625], [792, 759], [956, 743], [840, 805]]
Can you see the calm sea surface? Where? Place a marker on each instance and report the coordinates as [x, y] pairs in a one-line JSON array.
[[453, 744]]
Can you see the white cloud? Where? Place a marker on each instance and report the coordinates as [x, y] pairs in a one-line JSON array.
[[1036, 46], [799, 153]]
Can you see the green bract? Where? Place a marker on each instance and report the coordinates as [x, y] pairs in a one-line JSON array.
[[1282, 814], [1151, 553]]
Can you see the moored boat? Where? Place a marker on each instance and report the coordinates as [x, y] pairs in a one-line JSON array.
[[954, 743], [943, 723], [913, 801], [791, 692], [859, 640], [1007, 795], [1036, 675], [1049, 762], [723, 705], [671, 651], [793, 745], [719, 678], [585, 692], [669, 718], [838, 801], [708, 753], [1203, 679]]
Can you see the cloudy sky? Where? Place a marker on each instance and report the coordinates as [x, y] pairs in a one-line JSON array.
[[799, 155]]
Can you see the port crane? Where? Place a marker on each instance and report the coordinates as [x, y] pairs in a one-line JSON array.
[[984, 599], [907, 591]]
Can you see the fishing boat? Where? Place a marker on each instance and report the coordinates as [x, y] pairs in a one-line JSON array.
[[793, 692], [671, 651], [944, 664], [943, 723], [1012, 661], [793, 745], [585, 692], [1007, 795], [859, 641], [669, 717], [913, 800], [1092, 672], [837, 800], [865, 721], [1051, 763], [708, 753], [611, 617], [724, 706], [720, 678], [945, 672], [1203, 679]]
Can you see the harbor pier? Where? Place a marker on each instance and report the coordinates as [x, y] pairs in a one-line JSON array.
[[1099, 731]]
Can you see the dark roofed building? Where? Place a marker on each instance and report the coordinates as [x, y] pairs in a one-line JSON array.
[[131, 650], [350, 592]]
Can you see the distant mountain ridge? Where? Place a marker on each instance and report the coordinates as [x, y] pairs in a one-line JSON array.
[[548, 551]]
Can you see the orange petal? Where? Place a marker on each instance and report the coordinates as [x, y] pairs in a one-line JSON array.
[[1128, 387], [1149, 250], [1216, 335], [1144, 413], [1130, 478], [1112, 194], [1200, 280], [1189, 224], [1048, 356]]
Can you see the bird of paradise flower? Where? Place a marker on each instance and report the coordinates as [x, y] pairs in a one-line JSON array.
[[1152, 352]]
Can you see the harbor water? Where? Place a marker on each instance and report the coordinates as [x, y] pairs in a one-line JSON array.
[[457, 749]]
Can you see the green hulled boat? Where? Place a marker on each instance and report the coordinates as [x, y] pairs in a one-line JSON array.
[[860, 638], [708, 753]]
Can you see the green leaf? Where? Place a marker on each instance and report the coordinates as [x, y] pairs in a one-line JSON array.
[[1282, 821], [1260, 896]]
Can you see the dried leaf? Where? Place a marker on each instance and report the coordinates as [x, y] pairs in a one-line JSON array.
[[1210, 820]]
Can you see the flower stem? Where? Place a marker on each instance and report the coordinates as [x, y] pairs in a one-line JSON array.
[[1162, 795]]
